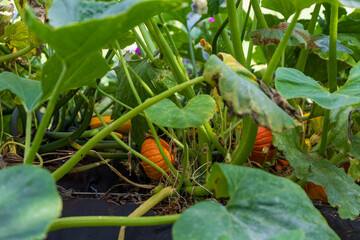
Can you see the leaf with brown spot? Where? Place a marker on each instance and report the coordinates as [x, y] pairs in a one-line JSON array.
[[273, 36], [280, 100], [245, 97]]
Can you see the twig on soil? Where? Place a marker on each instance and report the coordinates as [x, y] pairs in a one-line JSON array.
[[146, 186]]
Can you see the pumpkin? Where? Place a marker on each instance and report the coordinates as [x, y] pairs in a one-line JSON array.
[[124, 128], [150, 150], [263, 147], [315, 192]]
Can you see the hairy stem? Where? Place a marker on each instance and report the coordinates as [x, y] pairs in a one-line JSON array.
[[108, 221], [332, 72], [279, 50], [235, 32]]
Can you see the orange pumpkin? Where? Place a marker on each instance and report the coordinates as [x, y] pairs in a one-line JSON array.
[[263, 147], [124, 128], [315, 192], [150, 150]]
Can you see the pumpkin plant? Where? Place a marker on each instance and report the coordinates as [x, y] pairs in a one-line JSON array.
[[212, 101]]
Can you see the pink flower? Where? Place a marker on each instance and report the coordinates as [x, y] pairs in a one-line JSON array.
[[211, 19], [138, 52]]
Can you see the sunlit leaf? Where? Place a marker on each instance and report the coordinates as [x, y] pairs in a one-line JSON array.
[[253, 211], [244, 97], [29, 91], [286, 8], [292, 83], [197, 111], [342, 193], [16, 36], [78, 28], [29, 202]]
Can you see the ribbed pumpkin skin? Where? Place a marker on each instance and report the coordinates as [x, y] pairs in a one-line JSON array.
[[315, 192], [124, 128], [264, 138], [150, 150]]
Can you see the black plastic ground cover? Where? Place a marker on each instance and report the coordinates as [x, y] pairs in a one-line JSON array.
[[93, 207]]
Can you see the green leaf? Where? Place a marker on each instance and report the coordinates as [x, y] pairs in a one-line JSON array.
[[29, 91], [340, 129], [155, 78], [79, 28], [17, 36], [197, 111], [29, 202], [80, 73], [292, 83], [261, 206], [350, 23], [341, 190], [245, 97], [286, 8], [297, 234], [213, 6]]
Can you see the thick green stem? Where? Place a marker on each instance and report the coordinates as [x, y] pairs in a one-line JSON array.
[[258, 13], [28, 133], [279, 50], [305, 52], [46, 118], [235, 32], [147, 37], [147, 205], [112, 221], [250, 50], [143, 45], [138, 99], [179, 74], [60, 172], [118, 140], [332, 72], [171, 40], [247, 141], [214, 140], [219, 22], [16, 54]]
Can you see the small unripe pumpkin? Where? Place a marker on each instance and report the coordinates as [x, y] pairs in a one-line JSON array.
[[150, 150], [263, 147]]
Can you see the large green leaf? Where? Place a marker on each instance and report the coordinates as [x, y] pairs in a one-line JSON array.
[[286, 8], [197, 111], [341, 190], [261, 206], [80, 73], [79, 27], [292, 84], [156, 79], [245, 97], [340, 129], [29, 202], [29, 91]]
